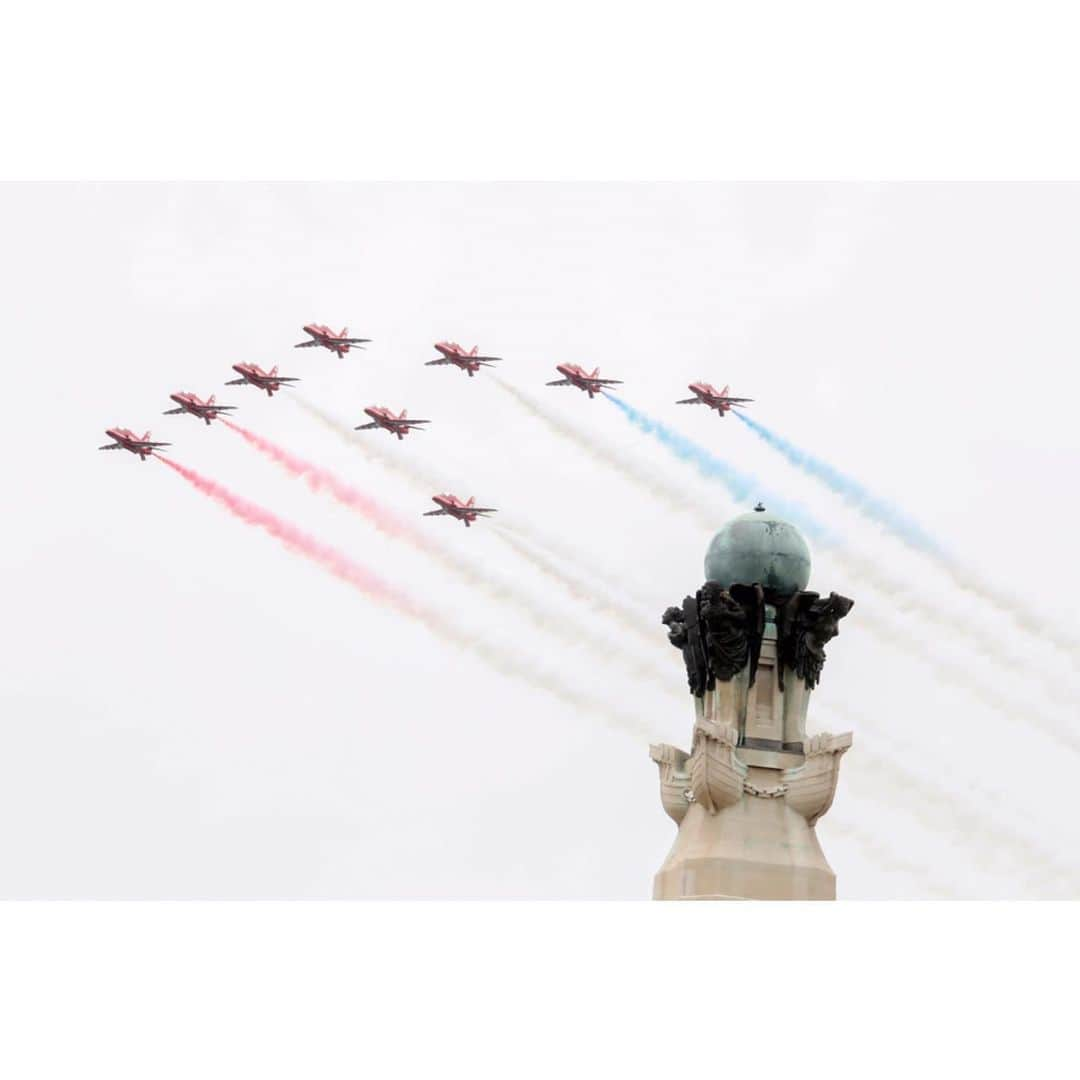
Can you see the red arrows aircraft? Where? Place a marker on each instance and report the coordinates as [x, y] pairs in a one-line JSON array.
[[128, 440], [575, 375], [190, 403], [270, 381], [461, 511], [715, 399], [324, 336], [384, 418], [453, 353]]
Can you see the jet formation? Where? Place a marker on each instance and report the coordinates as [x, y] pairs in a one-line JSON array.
[[468, 360]]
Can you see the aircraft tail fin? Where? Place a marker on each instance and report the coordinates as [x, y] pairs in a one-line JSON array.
[[146, 436], [273, 370], [595, 372], [211, 400], [472, 501]]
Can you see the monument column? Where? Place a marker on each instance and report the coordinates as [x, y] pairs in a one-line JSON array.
[[747, 796]]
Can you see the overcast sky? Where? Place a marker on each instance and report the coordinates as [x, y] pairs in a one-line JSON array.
[[189, 710]]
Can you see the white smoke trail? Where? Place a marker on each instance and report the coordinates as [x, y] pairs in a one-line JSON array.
[[658, 488], [514, 667], [587, 567], [988, 843], [958, 618], [1020, 712], [623, 616], [884, 854]]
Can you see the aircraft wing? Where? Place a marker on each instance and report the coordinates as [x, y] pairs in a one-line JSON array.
[[737, 400], [236, 382], [366, 427], [441, 360], [284, 378], [560, 382], [353, 340], [435, 513], [481, 509], [154, 445], [413, 423], [111, 446], [606, 382], [222, 408], [173, 412], [691, 401], [307, 344], [484, 359]]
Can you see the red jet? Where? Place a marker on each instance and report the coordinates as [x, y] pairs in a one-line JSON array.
[[322, 335], [190, 403], [270, 381], [384, 418], [462, 511], [453, 353], [575, 375], [715, 399], [128, 440]]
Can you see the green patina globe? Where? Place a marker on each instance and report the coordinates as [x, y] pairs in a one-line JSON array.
[[759, 548]]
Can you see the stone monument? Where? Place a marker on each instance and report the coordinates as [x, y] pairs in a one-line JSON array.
[[748, 794]]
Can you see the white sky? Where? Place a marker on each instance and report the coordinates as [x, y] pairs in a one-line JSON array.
[[188, 710]]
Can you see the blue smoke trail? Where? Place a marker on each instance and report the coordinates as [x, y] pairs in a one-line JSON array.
[[913, 535], [901, 526], [741, 485]]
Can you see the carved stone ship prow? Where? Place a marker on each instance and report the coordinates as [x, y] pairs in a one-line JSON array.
[[674, 779], [716, 774], [812, 785]]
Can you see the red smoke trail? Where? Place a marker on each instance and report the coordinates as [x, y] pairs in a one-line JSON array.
[[319, 479], [341, 566]]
